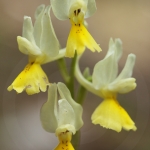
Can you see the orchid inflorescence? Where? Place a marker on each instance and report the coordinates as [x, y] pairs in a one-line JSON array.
[[62, 114]]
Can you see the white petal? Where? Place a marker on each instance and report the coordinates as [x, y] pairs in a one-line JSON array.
[[123, 86], [38, 29], [28, 29], [66, 114], [118, 44], [91, 8], [27, 47], [61, 8], [115, 47], [65, 94], [49, 44], [39, 9], [128, 68], [105, 71], [49, 110]]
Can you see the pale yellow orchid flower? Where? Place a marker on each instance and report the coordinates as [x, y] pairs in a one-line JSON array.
[[62, 117], [106, 84], [79, 37], [41, 45]]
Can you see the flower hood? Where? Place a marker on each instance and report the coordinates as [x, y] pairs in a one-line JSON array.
[[66, 117], [105, 78], [66, 9], [40, 41]]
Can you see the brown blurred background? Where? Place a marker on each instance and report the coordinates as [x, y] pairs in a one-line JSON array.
[[20, 127]]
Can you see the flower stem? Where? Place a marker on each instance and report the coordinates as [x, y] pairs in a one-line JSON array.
[[63, 70], [71, 80], [81, 95], [82, 91], [76, 140]]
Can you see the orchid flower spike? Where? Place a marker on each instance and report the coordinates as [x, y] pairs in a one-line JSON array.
[[41, 45], [76, 10], [106, 84], [62, 117]]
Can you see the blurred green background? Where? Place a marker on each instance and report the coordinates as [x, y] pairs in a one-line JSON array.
[[20, 127]]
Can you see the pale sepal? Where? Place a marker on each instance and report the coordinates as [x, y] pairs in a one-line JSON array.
[[128, 68], [123, 86], [61, 8], [48, 112], [49, 44], [91, 8], [77, 108], [37, 31], [66, 113], [28, 29], [39, 9], [26, 47], [115, 47], [105, 71]]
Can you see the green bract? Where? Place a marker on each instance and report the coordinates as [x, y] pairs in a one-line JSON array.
[[66, 117]]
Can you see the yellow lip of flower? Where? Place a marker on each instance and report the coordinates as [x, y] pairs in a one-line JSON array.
[[111, 115], [79, 37], [32, 79]]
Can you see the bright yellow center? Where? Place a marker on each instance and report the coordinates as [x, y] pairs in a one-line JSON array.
[[32, 79], [65, 141]]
